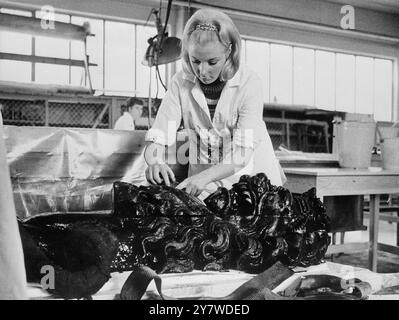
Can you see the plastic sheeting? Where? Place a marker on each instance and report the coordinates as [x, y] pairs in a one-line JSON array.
[[72, 170]]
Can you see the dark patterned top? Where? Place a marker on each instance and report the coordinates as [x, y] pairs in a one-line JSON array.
[[212, 94]]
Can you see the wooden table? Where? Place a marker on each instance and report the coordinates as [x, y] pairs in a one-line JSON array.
[[345, 181]]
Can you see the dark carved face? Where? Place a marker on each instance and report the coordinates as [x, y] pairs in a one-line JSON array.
[[248, 227], [219, 202], [260, 184], [245, 199]]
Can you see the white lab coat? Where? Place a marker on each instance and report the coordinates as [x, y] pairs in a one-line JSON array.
[[125, 122], [238, 120]]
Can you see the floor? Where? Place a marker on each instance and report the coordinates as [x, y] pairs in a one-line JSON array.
[[387, 263]]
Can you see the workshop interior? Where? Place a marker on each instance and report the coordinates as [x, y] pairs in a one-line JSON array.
[[79, 215]]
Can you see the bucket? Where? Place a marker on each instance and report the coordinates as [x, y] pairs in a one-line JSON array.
[[390, 153], [388, 132], [355, 143]]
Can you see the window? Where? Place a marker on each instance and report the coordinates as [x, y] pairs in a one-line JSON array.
[[119, 57], [14, 42], [52, 47], [304, 76], [51, 73], [244, 51], [117, 50], [258, 59], [17, 43], [326, 80], [383, 89], [364, 85], [95, 45], [15, 70], [281, 73], [345, 83]]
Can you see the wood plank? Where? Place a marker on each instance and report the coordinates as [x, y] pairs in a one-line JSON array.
[[100, 116], [298, 184], [343, 185], [388, 248], [64, 99], [397, 234], [351, 247], [33, 26], [373, 231], [41, 59], [328, 172], [384, 217], [357, 185], [294, 121], [38, 90]]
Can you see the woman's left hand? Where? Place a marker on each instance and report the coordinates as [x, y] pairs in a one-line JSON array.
[[194, 185]]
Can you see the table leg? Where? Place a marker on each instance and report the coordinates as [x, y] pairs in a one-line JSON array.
[[373, 231], [397, 231]]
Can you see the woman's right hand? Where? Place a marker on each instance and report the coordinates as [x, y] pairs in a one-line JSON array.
[[159, 174]]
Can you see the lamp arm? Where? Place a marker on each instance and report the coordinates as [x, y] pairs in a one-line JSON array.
[[166, 21]]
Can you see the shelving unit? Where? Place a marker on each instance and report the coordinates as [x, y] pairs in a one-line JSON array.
[[300, 135], [81, 112]]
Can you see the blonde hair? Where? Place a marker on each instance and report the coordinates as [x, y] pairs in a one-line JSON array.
[[225, 32]]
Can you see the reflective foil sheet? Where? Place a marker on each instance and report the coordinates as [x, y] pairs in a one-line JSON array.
[[72, 170]]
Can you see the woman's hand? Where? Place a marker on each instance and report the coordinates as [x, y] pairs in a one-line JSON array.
[[194, 185], [160, 173]]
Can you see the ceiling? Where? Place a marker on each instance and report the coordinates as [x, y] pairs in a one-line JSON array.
[[381, 5]]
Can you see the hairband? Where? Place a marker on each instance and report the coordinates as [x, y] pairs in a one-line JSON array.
[[206, 27]]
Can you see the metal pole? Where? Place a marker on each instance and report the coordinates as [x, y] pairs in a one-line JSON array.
[[47, 113], [149, 100]]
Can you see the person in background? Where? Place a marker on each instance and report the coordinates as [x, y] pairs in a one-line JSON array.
[[131, 112], [221, 104], [1, 114]]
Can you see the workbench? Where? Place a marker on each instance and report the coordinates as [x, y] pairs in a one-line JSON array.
[[346, 181], [197, 284]]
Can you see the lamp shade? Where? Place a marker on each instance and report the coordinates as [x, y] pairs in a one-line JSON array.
[[168, 51]]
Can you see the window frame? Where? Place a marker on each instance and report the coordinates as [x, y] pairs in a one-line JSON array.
[[394, 60], [103, 90]]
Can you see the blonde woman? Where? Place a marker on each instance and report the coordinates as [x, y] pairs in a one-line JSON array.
[[221, 105]]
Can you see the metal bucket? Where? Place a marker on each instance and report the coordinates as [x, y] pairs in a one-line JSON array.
[[355, 143], [390, 153]]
